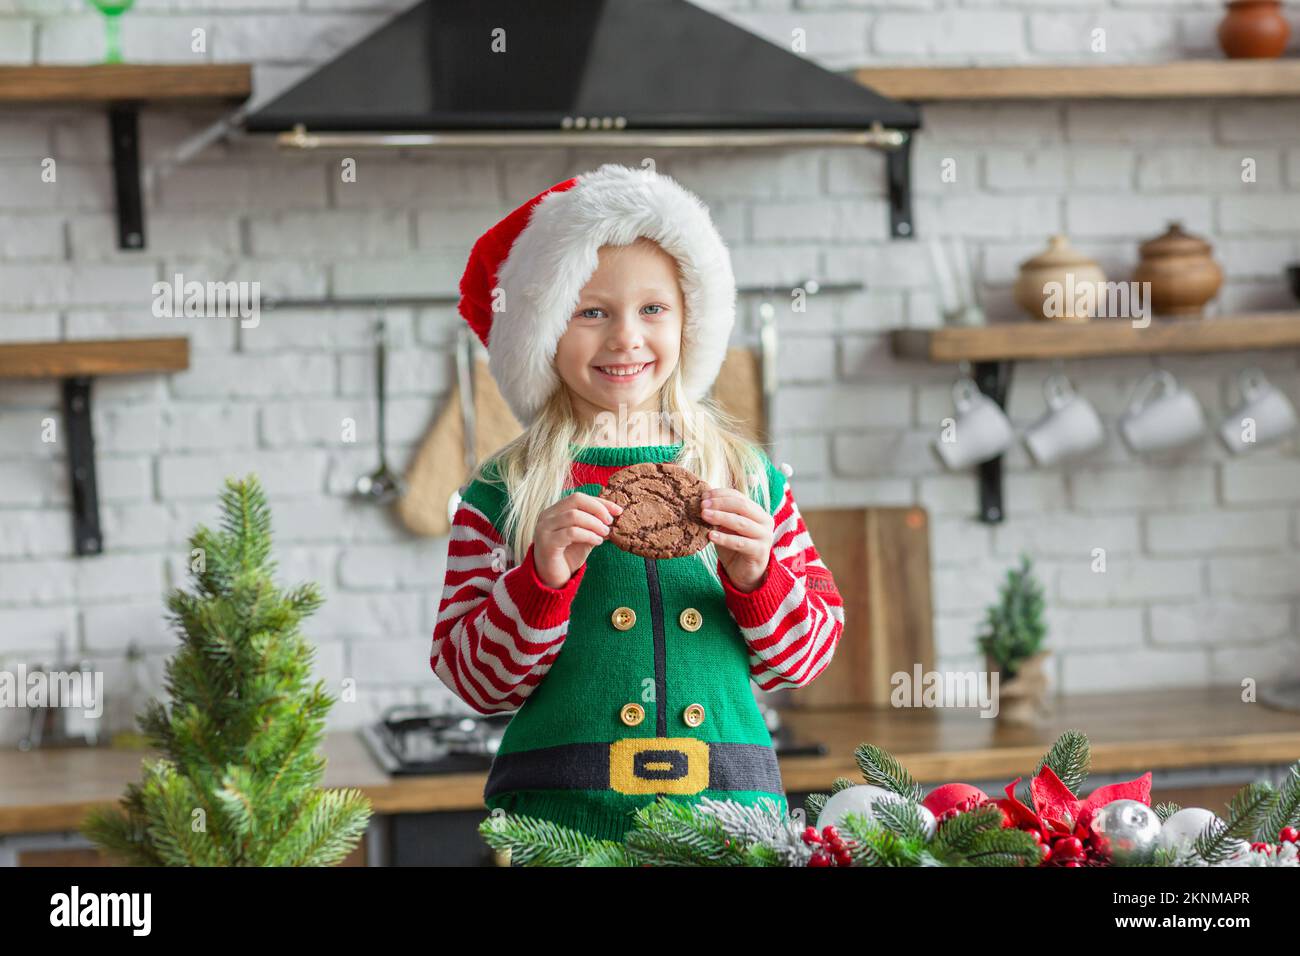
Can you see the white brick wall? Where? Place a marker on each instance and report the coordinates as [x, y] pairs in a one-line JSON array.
[[1203, 550]]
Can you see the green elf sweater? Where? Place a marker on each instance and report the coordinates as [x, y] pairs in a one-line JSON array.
[[631, 682]]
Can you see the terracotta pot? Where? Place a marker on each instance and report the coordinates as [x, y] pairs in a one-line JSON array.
[[1254, 29], [1182, 273], [1022, 699], [1051, 282]]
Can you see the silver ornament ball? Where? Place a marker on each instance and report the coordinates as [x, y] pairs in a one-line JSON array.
[[1125, 832]]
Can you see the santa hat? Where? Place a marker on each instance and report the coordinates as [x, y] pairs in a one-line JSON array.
[[542, 254]]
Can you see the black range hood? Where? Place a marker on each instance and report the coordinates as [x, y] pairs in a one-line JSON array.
[[583, 73]]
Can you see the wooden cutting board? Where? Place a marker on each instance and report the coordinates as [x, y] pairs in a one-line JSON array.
[[880, 558]]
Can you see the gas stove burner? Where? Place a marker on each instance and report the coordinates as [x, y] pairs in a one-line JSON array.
[[412, 739]]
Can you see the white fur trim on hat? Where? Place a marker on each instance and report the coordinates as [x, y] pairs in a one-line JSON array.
[[556, 254]]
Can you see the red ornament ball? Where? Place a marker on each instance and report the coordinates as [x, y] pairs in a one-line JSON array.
[[1289, 835], [949, 796]]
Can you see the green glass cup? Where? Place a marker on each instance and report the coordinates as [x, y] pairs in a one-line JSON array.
[[112, 10]]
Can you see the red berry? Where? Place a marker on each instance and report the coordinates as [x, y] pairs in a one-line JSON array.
[[830, 833], [819, 859], [1037, 835], [1067, 847], [810, 835], [1289, 835], [1071, 863], [844, 858]]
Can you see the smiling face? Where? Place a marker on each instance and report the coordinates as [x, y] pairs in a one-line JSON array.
[[625, 334]]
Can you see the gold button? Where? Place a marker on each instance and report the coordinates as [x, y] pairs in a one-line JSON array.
[[693, 715], [690, 619], [623, 618], [632, 714]]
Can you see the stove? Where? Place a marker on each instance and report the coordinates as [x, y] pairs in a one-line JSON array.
[[411, 740]]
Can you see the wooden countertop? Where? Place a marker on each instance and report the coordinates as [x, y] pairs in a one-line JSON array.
[[51, 790]]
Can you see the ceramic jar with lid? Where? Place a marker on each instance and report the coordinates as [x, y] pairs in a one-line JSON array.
[[1181, 270], [1254, 29], [1060, 284]]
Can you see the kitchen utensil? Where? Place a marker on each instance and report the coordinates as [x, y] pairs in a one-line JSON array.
[[381, 486], [1060, 284], [1254, 29], [1071, 425], [880, 558], [1264, 416], [954, 288], [1155, 422], [980, 431], [1181, 270], [112, 11], [438, 468], [465, 399]]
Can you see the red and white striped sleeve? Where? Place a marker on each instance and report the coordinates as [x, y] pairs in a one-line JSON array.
[[792, 621], [497, 631]]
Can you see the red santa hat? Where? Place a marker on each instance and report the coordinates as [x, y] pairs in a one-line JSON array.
[[536, 260]]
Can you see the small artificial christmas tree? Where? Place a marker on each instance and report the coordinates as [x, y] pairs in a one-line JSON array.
[[238, 780], [1014, 628]]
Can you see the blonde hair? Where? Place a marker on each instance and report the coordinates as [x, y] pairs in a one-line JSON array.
[[534, 467]]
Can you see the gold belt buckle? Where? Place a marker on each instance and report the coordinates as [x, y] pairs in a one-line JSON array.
[[658, 765]]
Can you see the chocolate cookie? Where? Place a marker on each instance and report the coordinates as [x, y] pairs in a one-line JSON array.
[[661, 510]]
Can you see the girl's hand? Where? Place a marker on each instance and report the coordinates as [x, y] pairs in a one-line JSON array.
[[566, 532], [743, 536]]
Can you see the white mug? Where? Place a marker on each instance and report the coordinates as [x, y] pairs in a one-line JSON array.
[[1167, 420], [1071, 425], [1264, 408], [980, 431]]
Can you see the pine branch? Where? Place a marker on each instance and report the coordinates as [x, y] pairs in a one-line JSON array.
[[812, 806], [1245, 811], [1070, 758], [1285, 811], [534, 842], [1166, 810], [880, 768], [902, 817]]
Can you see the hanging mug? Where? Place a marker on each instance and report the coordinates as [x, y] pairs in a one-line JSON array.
[[1264, 416], [980, 430], [1155, 422], [1071, 425]]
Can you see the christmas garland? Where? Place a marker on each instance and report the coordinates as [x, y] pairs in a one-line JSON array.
[[887, 822]]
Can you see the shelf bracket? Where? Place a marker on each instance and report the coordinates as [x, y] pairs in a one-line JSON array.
[[81, 465], [994, 380], [124, 140], [898, 167]]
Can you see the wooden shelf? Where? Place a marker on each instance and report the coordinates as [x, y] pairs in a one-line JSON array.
[[122, 89], [1188, 78], [77, 364], [93, 358], [136, 82], [1029, 340]]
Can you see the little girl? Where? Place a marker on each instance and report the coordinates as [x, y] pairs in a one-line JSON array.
[[606, 304]]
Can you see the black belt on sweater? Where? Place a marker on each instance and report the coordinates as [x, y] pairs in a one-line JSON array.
[[638, 765]]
